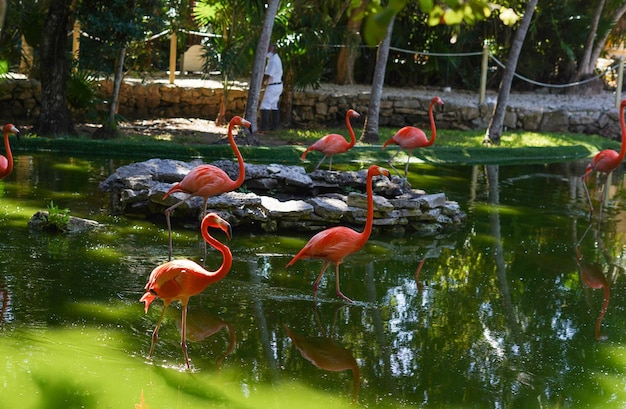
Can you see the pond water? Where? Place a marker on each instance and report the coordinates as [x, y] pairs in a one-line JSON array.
[[493, 315]]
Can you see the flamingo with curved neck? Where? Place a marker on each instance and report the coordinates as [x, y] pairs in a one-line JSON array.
[[6, 163], [333, 143], [411, 137], [182, 279], [606, 161], [208, 180], [335, 243]]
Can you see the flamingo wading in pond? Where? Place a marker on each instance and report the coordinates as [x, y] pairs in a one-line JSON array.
[[333, 143], [182, 279], [606, 161], [411, 137], [335, 243], [208, 180], [6, 163]]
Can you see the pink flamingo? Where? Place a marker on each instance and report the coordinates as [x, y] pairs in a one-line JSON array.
[[411, 137], [182, 279], [6, 163], [335, 243], [333, 143], [208, 180], [606, 161]]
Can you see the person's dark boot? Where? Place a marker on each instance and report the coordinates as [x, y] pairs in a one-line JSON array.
[[265, 120], [275, 119]]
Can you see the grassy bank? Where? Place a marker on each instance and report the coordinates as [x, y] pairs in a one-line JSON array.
[[451, 147]]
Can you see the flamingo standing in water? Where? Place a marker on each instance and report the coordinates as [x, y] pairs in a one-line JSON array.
[[182, 279], [606, 161], [208, 180], [6, 163], [411, 137], [335, 243], [333, 143]]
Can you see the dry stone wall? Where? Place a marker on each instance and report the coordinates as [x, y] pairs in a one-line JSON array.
[[20, 100]]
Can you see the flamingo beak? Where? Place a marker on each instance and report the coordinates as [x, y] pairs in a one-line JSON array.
[[226, 228]]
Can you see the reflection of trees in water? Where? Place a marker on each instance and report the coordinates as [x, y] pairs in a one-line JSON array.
[[4, 300]]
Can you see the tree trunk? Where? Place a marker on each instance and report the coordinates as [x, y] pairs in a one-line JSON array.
[[584, 67], [117, 84], [3, 12], [258, 68], [595, 45], [55, 118], [221, 114], [347, 54], [370, 129], [27, 59], [286, 100], [600, 44], [494, 130]]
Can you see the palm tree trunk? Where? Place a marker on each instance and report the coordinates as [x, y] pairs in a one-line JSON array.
[[494, 130], [370, 129], [256, 79]]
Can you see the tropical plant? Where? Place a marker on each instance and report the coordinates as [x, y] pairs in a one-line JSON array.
[[57, 219]]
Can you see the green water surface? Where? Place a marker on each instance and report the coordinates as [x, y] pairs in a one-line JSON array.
[[498, 316]]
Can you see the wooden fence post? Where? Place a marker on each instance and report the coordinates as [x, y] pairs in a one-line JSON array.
[[620, 82], [483, 74], [172, 57]]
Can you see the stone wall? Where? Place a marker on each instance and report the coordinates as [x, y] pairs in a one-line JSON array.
[[285, 198], [20, 99]]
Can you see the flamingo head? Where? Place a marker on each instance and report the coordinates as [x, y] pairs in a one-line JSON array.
[[213, 220], [148, 297], [353, 114], [237, 120], [11, 129], [437, 101], [376, 170]]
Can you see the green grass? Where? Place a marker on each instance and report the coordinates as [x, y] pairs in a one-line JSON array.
[[451, 147]]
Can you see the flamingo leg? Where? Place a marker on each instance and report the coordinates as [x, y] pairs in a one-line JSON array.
[[319, 278], [588, 197], [183, 334], [330, 163], [206, 202], [408, 159], [155, 333], [406, 167], [169, 224], [605, 193], [320, 162], [337, 288], [391, 160]]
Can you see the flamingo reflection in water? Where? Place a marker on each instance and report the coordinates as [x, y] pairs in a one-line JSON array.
[[326, 353], [202, 324], [593, 276]]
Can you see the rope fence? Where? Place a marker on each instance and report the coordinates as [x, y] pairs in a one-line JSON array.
[[619, 66], [486, 55]]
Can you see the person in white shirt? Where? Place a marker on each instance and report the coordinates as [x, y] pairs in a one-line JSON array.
[[273, 81]]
